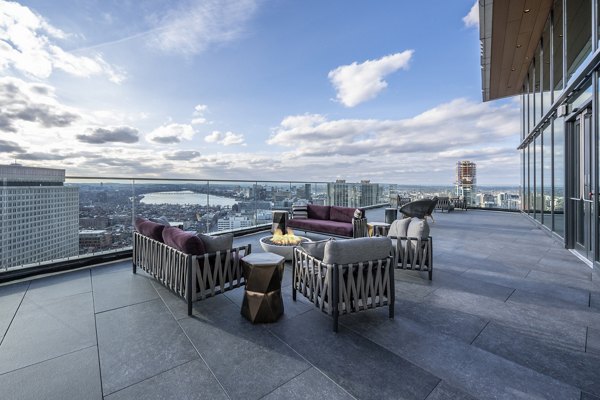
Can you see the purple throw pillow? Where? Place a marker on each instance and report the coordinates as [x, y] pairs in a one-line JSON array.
[[317, 212], [149, 229], [186, 242]]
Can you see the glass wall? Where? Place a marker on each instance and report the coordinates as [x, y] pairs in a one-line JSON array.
[[538, 178], [547, 176], [530, 165], [557, 47], [559, 176], [579, 34], [537, 86], [530, 91]]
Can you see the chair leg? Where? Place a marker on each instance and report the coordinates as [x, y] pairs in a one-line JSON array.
[[134, 267], [392, 294], [335, 297], [430, 273]]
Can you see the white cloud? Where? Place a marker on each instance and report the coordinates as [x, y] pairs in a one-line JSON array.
[[472, 18], [458, 124], [356, 83], [171, 133], [225, 138], [199, 111], [197, 24], [27, 44]]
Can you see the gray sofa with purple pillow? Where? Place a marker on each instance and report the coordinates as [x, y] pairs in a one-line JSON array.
[[192, 266], [329, 220]]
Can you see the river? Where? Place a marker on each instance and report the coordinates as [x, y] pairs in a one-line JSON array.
[[185, 197]]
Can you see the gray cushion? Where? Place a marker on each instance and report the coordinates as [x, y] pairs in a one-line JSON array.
[[315, 249], [399, 227], [217, 243], [357, 250], [418, 228], [299, 211]]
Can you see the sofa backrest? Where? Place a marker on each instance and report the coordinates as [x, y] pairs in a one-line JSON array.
[[353, 251], [149, 229], [341, 214], [317, 212]]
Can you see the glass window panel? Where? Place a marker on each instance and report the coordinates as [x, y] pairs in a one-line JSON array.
[[538, 178], [530, 90], [537, 84], [547, 176], [530, 170], [559, 176], [557, 45], [579, 34], [546, 103]]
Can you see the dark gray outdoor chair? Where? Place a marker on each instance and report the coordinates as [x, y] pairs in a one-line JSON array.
[[420, 208]]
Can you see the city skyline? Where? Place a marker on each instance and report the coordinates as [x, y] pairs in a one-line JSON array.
[[251, 90]]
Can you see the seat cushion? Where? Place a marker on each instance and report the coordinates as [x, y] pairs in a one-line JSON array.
[[341, 214], [323, 226], [317, 212], [353, 251], [149, 229], [213, 244], [186, 242]]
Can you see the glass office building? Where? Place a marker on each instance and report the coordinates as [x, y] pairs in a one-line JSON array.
[[547, 52]]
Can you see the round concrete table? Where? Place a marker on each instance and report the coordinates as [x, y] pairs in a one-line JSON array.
[[262, 295]]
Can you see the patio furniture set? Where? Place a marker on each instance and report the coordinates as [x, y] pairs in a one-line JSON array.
[[337, 276]]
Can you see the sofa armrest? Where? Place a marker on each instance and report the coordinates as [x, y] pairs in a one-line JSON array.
[[359, 227]]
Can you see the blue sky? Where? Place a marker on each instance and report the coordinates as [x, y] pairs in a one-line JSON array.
[[251, 89]]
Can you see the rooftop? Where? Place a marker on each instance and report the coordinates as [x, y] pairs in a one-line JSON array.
[[509, 315]]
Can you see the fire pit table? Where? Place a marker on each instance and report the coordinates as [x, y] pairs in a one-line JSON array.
[[282, 244]]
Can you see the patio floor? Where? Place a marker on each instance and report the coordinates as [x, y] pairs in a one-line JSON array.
[[509, 315]]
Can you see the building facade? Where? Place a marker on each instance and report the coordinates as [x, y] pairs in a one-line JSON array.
[[466, 179], [547, 53], [39, 219]]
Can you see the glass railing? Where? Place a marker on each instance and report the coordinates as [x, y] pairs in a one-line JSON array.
[[91, 217]]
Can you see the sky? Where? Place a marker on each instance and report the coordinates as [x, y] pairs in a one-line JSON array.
[[388, 91]]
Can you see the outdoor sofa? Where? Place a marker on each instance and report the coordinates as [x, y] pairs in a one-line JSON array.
[[192, 266], [329, 220]]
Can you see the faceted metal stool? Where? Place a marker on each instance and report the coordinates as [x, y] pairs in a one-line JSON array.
[[262, 297]]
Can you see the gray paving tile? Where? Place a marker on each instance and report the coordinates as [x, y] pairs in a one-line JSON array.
[[139, 342], [46, 329], [450, 322], [246, 359], [311, 384], [192, 380], [587, 396], [118, 266], [561, 279], [61, 285], [548, 289], [535, 319], [119, 289], [444, 391], [575, 368], [467, 368], [10, 299], [573, 268], [593, 341], [364, 369], [74, 376]]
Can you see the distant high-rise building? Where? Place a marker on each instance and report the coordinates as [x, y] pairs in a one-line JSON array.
[[338, 193], [39, 219], [369, 193], [466, 179]]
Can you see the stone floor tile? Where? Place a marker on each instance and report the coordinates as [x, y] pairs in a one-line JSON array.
[[311, 384], [467, 368], [61, 285], [362, 368], [119, 289], [444, 391], [74, 376], [575, 368], [593, 341], [44, 329], [10, 299], [138, 342], [247, 360], [189, 381]]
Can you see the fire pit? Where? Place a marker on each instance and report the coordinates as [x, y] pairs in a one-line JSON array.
[[282, 244]]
